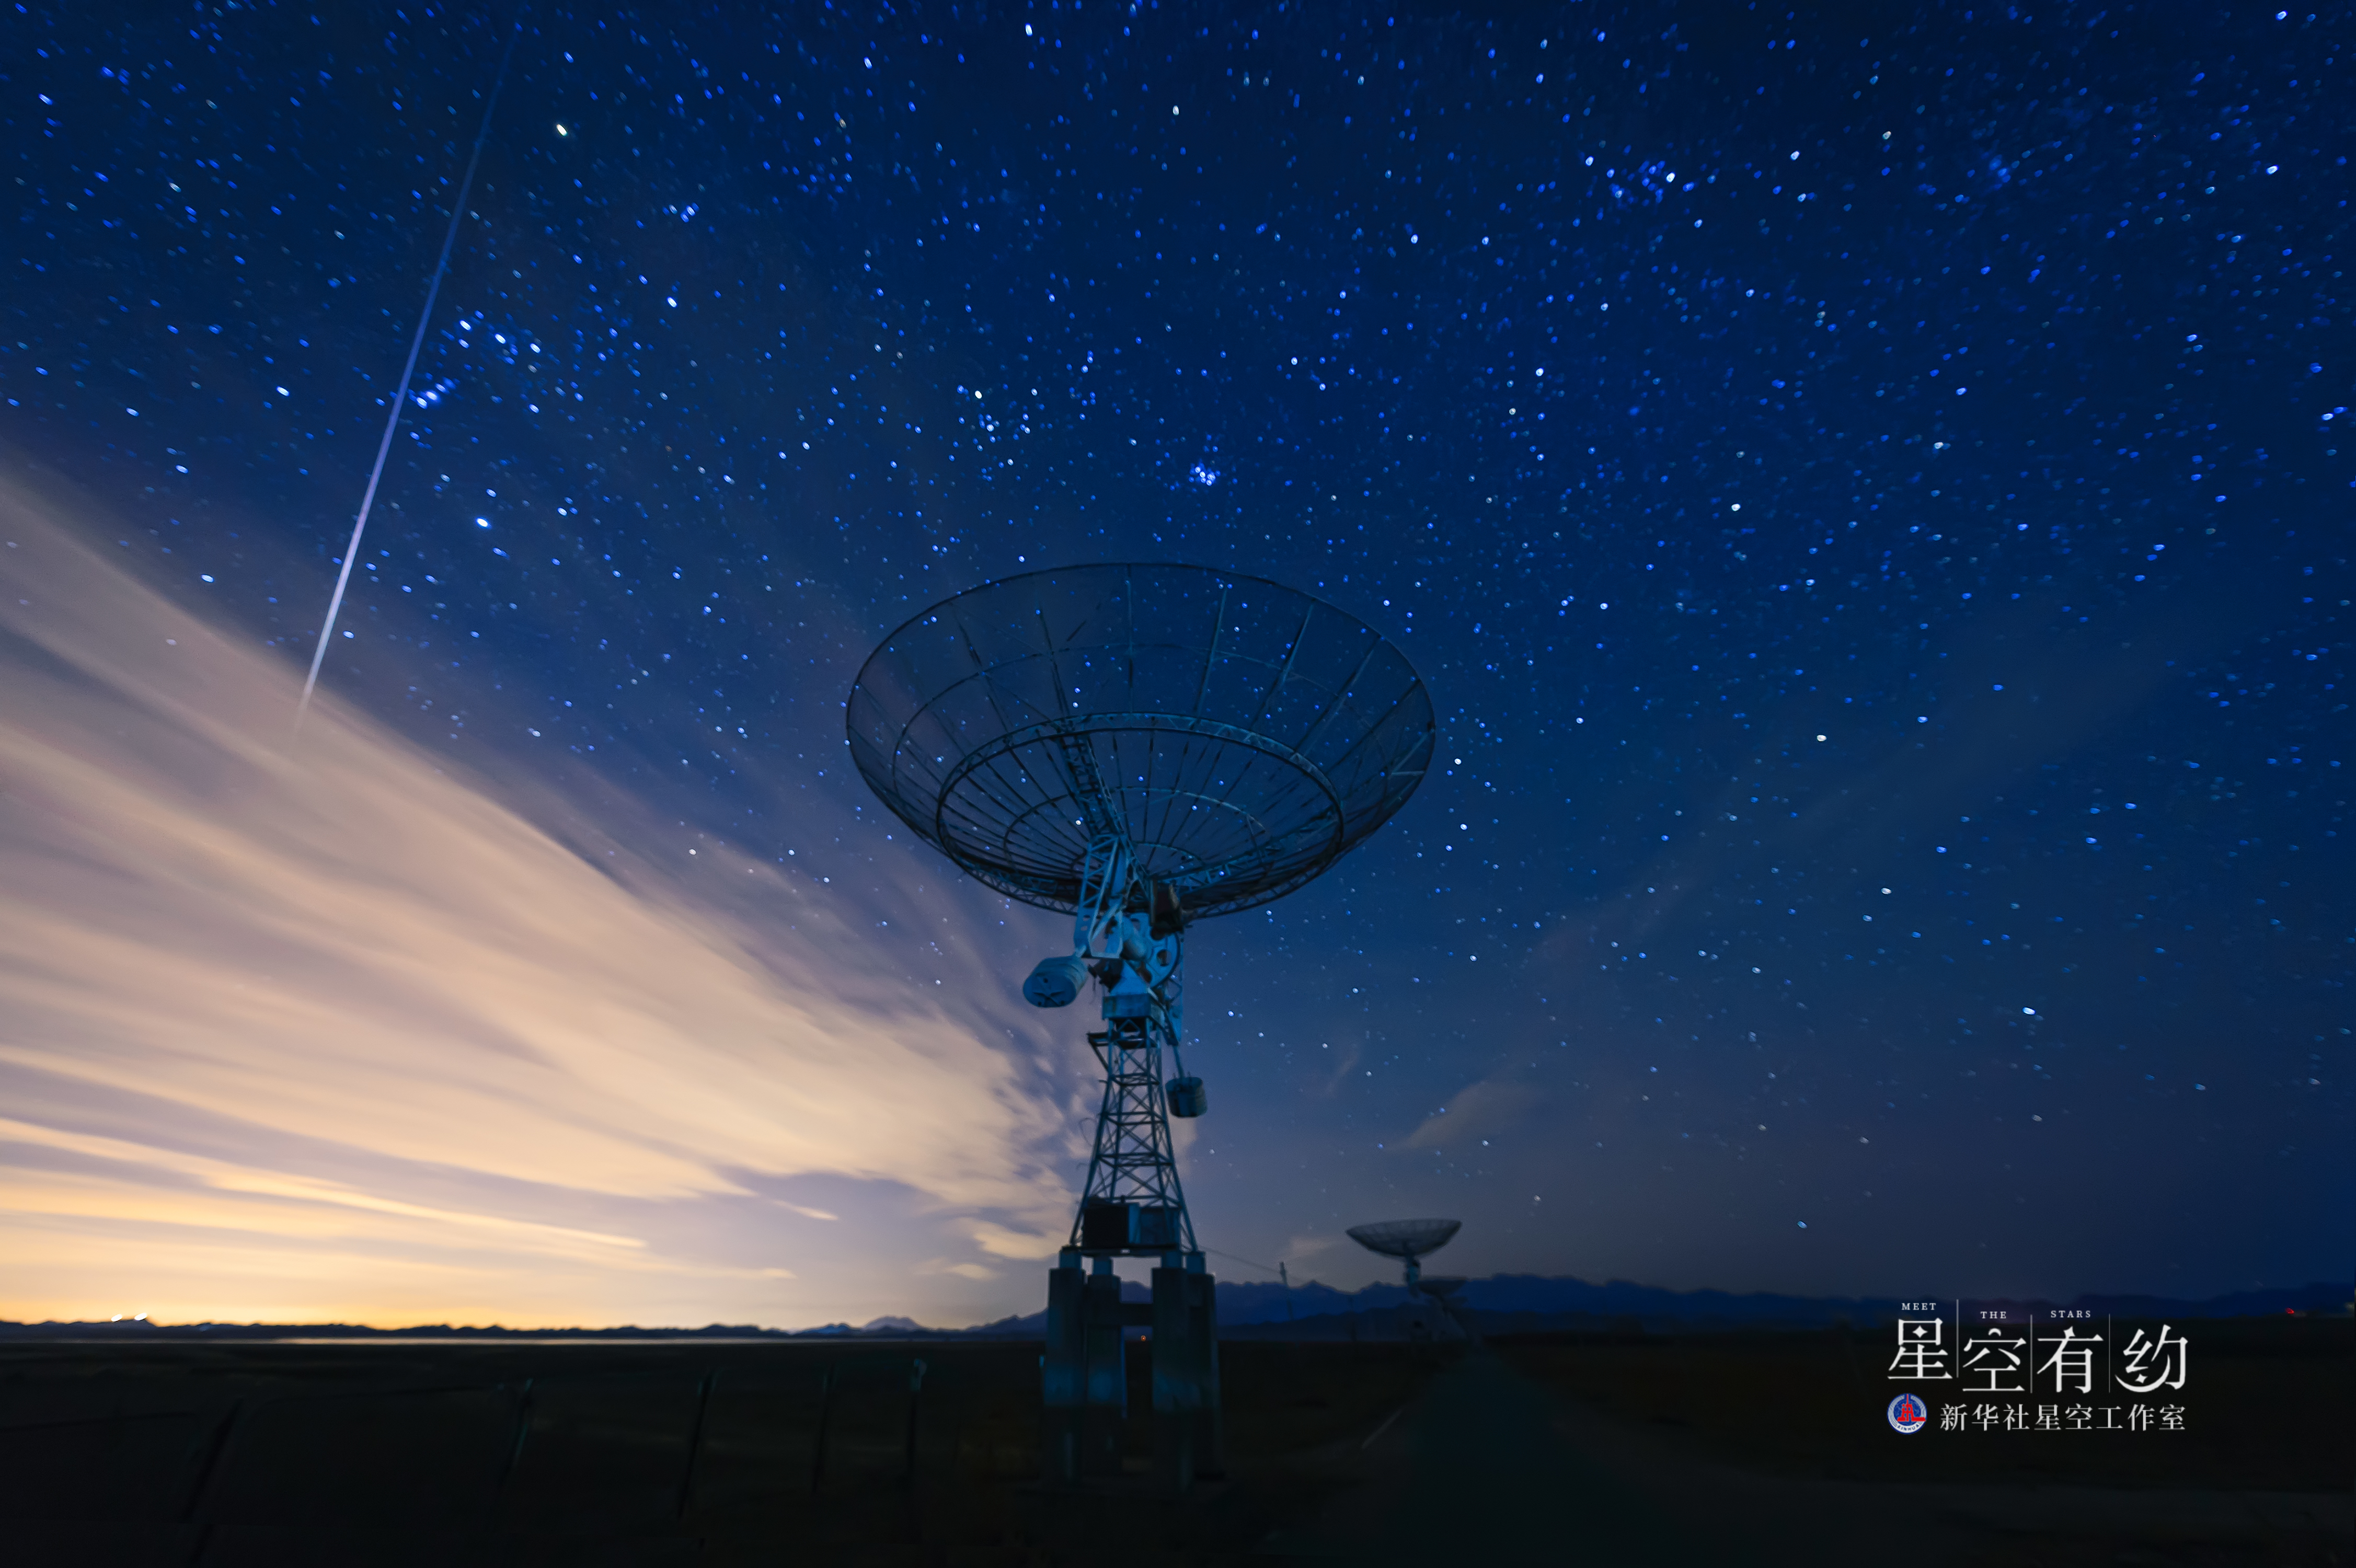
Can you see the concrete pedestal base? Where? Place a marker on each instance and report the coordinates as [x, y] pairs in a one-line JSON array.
[[1084, 1372]]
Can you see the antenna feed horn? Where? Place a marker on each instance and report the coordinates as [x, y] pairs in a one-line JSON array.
[[1055, 982]]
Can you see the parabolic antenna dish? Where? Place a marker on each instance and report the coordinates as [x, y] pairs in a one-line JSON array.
[[1241, 734], [1436, 1287], [1406, 1238]]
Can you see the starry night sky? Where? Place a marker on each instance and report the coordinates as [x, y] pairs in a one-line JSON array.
[[1865, 502]]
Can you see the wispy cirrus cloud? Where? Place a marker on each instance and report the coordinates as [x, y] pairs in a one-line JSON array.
[[322, 1027]]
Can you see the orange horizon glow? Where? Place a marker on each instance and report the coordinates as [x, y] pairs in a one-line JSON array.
[[326, 1030]]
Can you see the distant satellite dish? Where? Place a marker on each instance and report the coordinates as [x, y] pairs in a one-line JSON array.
[[1409, 1239], [1412, 1240], [1435, 1286]]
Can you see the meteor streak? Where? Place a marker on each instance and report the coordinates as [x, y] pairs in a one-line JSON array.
[[400, 394]]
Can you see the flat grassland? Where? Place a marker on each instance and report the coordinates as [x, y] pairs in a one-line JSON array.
[[1604, 1448]]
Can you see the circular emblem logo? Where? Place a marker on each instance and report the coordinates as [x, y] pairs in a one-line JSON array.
[[1909, 1414]]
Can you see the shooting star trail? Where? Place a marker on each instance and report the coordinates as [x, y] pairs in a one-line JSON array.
[[400, 394]]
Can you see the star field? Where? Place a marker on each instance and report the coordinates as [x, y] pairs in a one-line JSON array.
[[1867, 499]]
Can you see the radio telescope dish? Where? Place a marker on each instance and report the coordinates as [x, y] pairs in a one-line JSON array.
[[1137, 746], [1410, 1240], [1240, 736], [1406, 1238]]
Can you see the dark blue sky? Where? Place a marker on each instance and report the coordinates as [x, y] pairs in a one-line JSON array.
[[1865, 500]]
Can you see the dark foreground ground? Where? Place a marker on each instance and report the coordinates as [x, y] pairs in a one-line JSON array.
[[1734, 1448]]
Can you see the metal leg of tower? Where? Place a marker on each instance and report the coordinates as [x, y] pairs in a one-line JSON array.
[[1063, 1368], [1177, 1382], [1210, 1429], [1104, 1416], [1186, 1439]]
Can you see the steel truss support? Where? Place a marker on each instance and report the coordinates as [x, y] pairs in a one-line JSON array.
[[1133, 1202], [1132, 1206]]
